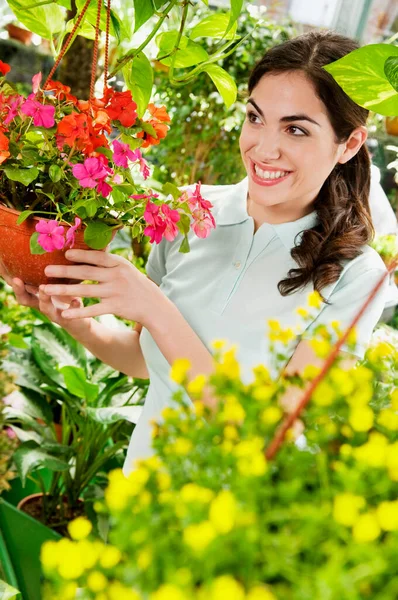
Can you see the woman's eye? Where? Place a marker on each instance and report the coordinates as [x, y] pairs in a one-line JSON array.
[[252, 117], [296, 131]]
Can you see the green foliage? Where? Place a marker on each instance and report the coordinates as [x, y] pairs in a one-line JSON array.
[[203, 142], [7, 440]]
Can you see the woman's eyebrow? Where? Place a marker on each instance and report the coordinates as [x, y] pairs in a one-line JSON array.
[[285, 119]]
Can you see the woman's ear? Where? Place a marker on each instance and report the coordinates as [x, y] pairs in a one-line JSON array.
[[353, 144]]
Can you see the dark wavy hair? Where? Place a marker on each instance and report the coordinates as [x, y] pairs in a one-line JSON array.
[[342, 204]]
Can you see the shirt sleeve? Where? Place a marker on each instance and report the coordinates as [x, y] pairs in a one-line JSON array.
[[346, 300], [156, 264]]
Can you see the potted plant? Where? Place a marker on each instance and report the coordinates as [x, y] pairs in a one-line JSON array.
[[219, 513]]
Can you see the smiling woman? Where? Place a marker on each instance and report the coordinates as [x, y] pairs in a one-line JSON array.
[[298, 224]]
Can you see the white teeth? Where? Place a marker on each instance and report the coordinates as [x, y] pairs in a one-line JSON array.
[[269, 174]]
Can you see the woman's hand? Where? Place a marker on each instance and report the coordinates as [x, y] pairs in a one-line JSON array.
[[122, 289]]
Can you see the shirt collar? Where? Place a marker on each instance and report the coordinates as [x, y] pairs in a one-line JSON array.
[[233, 210]]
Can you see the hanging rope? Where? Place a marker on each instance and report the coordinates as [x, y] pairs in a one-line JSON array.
[[106, 57], [95, 52], [67, 43]]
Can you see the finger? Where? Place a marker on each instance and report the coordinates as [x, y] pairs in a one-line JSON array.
[[95, 310], [32, 289], [22, 296], [93, 257], [81, 272], [84, 290]]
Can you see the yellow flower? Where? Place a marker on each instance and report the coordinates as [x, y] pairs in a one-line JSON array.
[[314, 299], [199, 408], [226, 587], [118, 491], [388, 418], [374, 452], [117, 591], [336, 326], [394, 399], [68, 591], [96, 581], [261, 374], [310, 372], [274, 325], [263, 392], [168, 591], [222, 513], [346, 508], [218, 344], [191, 492], [387, 515], [392, 461], [164, 481], [144, 559], [283, 335], [376, 354], [346, 431], [90, 552], [110, 557], [79, 528], [49, 555], [182, 446], [343, 380], [233, 411], [170, 414], [71, 566], [229, 366], [361, 395], [230, 432], [366, 529], [302, 312], [179, 370], [320, 347], [361, 419], [324, 394], [199, 536], [197, 384], [271, 415], [254, 466], [260, 592], [346, 450]]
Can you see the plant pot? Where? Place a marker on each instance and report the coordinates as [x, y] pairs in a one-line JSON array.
[[23, 538], [15, 250], [392, 125], [18, 33], [32, 505]]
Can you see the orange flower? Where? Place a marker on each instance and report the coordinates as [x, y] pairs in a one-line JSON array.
[[71, 128], [161, 131], [4, 68], [159, 113], [61, 91], [4, 143]]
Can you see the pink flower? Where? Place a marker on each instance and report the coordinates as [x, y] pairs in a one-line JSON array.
[[10, 433], [4, 329], [117, 179], [203, 223], [121, 154], [70, 234], [14, 107], [171, 217], [90, 173], [156, 225], [51, 235], [43, 114], [36, 80], [104, 188], [141, 196]]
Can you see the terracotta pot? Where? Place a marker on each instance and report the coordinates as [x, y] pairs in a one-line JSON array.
[[392, 125], [19, 33], [15, 250]]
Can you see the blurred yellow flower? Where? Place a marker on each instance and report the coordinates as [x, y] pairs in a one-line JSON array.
[[222, 512], [324, 394], [394, 399], [320, 347], [361, 419], [110, 557], [117, 591], [302, 312], [218, 344], [233, 411], [366, 528], [199, 536], [314, 299], [228, 365], [164, 480], [68, 591], [79, 528], [346, 508], [226, 588], [170, 414], [179, 370], [374, 451], [310, 372], [342, 379], [264, 392], [49, 555], [181, 447], [191, 492], [387, 515], [361, 395], [388, 418], [197, 384], [230, 432], [96, 581], [392, 461], [144, 559], [260, 592], [271, 415], [376, 354]]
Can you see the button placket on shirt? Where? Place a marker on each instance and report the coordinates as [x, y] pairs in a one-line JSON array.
[[247, 250]]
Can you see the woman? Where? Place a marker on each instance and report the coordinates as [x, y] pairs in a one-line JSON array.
[[298, 222]]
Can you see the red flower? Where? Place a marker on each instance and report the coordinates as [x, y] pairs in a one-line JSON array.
[[4, 143], [122, 108], [71, 128], [161, 131], [4, 68], [159, 113], [61, 91]]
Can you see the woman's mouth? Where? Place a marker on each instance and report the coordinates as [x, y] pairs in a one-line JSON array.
[[268, 177]]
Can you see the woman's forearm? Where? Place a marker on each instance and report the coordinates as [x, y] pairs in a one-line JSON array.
[[118, 348]]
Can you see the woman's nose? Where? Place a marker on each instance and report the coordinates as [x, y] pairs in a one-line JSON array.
[[268, 148]]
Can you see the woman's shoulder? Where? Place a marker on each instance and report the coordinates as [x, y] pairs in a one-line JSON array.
[[367, 260]]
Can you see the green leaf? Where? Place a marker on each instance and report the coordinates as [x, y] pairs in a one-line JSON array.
[[77, 384], [223, 82], [134, 143], [362, 76], [45, 20], [143, 10], [86, 30], [24, 176], [112, 414], [16, 340], [35, 247], [22, 366], [189, 53], [236, 8], [55, 173], [138, 77], [184, 248], [7, 591], [170, 188], [148, 128], [91, 16], [30, 457], [105, 151], [98, 235], [214, 26], [24, 215], [391, 71], [53, 348]]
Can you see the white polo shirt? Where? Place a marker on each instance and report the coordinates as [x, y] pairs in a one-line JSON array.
[[226, 288]]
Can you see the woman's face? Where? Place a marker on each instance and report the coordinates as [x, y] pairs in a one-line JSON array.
[[288, 147]]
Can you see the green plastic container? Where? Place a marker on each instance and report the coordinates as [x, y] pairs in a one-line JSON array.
[[22, 538]]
